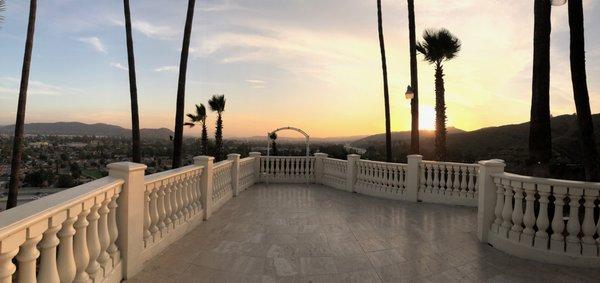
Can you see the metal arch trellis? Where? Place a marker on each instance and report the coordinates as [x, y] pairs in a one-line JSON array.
[[307, 141]]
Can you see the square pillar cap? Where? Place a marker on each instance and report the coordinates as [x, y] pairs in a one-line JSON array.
[[320, 154], [492, 163], [233, 156], [203, 158], [126, 166]]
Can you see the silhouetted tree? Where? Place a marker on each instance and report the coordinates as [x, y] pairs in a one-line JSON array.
[[386, 94], [17, 150], [199, 118], [414, 80], [178, 139], [217, 104], [273, 137], [439, 46], [580, 92], [136, 151]]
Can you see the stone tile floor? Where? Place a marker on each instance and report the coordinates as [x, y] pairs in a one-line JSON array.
[[311, 233]]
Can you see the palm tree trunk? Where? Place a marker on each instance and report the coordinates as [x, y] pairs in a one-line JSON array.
[[17, 152], [580, 92], [178, 139], [440, 114], [219, 137], [414, 80], [136, 151], [204, 139], [540, 136], [386, 95]]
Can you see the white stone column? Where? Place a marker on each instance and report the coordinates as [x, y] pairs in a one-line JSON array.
[[413, 174], [319, 167], [256, 156], [487, 196], [206, 183], [130, 214], [351, 171], [235, 173]]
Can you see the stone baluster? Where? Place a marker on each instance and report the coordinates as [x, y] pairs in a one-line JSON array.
[[541, 236], [181, 213], [104, 234], [463, 181], [168, 191], [442, 180], [7, 267], [529, 217], [154, 212], [573, 226], [436, 181], [517, 216], [147, 218], [174, 203], [28, 253], [161, 209], [449, 184], [499, 205], [557, 240], [48, 270], [80, 246], [185, 202], [423, 179], [471, 181], [66, 259], [456, 185], [93, 240], [588, 227], [429, 177], [113, 229], [507, 209], [193, 192]]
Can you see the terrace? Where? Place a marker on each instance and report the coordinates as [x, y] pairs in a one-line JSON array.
[[306, 219]]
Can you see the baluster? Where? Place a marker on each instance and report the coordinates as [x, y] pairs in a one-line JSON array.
[[429, 178], [436, 182], [104, 257], [529, 217], [82, 256], [168, 191], [7, 267], [471, 182], [27, 256], [517, 215], [161, 209], [456, 185], [449, 184], [66, 257], [180, 208], [48, 270], [541, 236], [193, 196], [588, 226], [113, 230], [557, 240], [573, 226], [463, 182], [443, 188], [147, 217], [153, 191], [507, 209], [93, 241], [185, 202], [423, 181]]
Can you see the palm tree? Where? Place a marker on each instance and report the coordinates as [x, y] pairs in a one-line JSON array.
[[217, 104], [273, 137], [178, 139], [580, 92], [199, 118], [386, 94], [17, 152], [540, 137], [136, 151], [414, 80], [439, 46]]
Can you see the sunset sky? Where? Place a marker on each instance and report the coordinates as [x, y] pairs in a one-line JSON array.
[[313, 64]]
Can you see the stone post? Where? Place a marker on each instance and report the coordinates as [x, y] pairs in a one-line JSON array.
[[130, 214], [256, 156], [351, 171], [319, 167], [235, 169], [487, 196], [206, 183], [412, 177]]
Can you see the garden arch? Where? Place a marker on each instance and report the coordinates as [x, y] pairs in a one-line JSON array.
[[306, 136]]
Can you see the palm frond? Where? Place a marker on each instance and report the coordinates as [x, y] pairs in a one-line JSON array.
[[217, 103], [438, 45], [200, 111], [273, 136], [189, 124]]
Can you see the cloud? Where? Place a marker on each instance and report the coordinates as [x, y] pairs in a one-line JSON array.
[[118, 66], [220, 7], [94, 42], [10, 86], [162, 32], [255, 81], [167, 69]]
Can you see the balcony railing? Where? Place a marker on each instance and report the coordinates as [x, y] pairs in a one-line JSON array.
[[104, 231]]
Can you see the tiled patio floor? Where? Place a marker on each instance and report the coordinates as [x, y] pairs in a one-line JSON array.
[[311, 233]]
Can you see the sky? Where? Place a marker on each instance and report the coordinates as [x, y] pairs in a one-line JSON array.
[[312, 64]]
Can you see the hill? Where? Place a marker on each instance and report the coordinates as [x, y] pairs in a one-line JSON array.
[[80, 129], [398, 136]]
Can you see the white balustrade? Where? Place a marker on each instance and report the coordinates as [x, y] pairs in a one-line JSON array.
[[334, 173], [448, 182], [222, 188], [381, 179], [288, 169], [247, 178]]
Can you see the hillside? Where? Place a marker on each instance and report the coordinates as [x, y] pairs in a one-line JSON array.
[[77, 128], [398, 136]]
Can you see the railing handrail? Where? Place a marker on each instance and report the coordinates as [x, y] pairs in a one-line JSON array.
[[548, 181], [382, 162], [449, 163], [293, 156], [152, 178], [222, 163], [335, 159], [22, 216]]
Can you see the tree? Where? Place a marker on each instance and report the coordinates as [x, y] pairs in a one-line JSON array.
[[136, 151], [199, 117], [540, 137], [273, 137], [178, 139], [580, 92], [17, 152], [439, 46], [217, 104], [2, 9], [414, 80], [65, 181], [386, 94]]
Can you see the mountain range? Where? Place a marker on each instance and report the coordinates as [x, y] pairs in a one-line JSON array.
[[80, 129]]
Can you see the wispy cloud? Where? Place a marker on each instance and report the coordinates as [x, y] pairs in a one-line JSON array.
[[167, 69], [10, 86], [154, 31], [118, 66], [220, 7], [94, 42], [256, 83]]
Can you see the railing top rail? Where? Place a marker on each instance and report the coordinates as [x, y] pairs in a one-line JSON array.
[[247, 159], [335, 159], [280, 157], [20, 217], [382, 162], [548, 181], [450, 163], [222, 163], [170, 173]]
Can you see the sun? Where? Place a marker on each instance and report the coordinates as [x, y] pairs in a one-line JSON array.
[[426, 118]]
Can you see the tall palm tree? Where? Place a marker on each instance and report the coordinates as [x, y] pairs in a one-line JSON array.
[[178, 139], [199, 118], [136, 151], [17, 151], [580, 92], [217, 104], [414, 80], [439, 46], [540, 137], [273, 137], [386, 94]]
